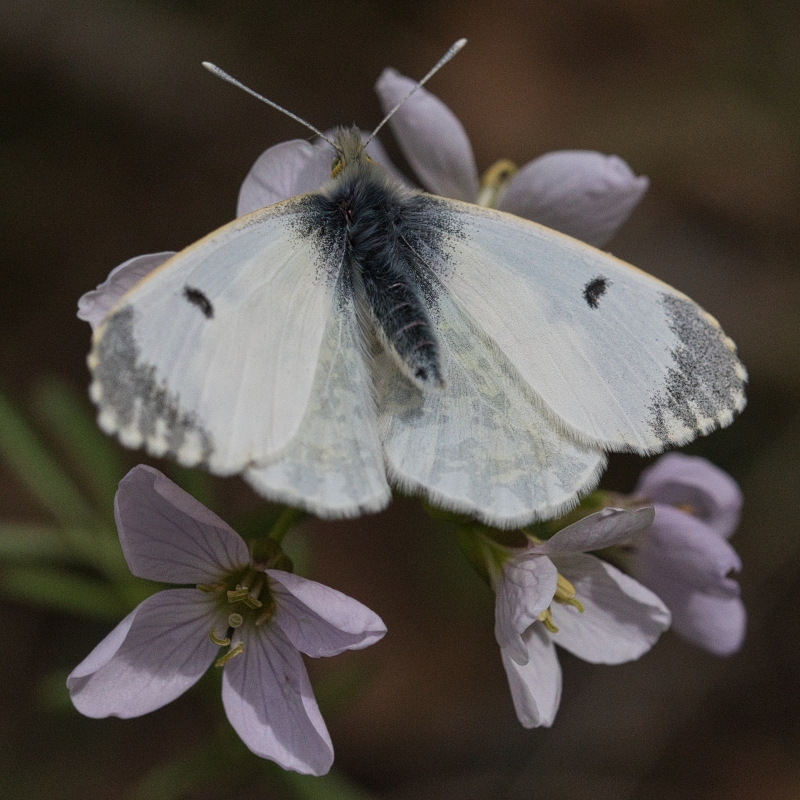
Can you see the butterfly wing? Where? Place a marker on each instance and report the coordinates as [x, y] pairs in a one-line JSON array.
[[482, 445], [618, 358], [211, 359], [334, 465]]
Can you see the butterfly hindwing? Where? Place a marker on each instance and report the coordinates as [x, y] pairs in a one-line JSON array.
[[212, 357], [619, 358], [482, 445], [334, 466]]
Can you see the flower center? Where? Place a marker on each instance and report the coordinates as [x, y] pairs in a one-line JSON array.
[[250, 601], [565, 594]]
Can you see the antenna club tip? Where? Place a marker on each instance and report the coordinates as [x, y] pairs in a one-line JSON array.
[[459, 44]]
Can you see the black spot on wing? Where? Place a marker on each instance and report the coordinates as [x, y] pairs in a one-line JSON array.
[[594, 290], [197, 298]]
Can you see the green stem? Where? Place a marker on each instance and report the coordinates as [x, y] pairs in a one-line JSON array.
[[286, 521]]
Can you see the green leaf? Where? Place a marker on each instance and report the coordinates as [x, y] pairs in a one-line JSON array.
[[52, 693], [95, 456], [62, 591], [195, 481], [85, 547], [31, 462], [27, 542], [341, 686], [213, 762], [333, 786]]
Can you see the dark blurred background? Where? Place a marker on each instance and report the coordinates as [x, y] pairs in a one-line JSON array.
[[114, 142]]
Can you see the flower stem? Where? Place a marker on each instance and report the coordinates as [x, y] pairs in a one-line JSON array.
[[285, 522]]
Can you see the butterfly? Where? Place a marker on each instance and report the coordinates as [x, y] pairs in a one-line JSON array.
[[367, 334]]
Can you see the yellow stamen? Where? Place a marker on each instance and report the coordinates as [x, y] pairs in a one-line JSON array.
[[564, 589], [210, 587], [547, 620], [574, 603], [252, 601], [238, 594], [235, 651], [494, 181], [217, 641], [565, 593]]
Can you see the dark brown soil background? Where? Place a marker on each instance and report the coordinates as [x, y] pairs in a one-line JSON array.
[[114, 142]]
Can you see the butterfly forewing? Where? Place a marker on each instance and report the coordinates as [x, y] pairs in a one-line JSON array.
[[618, 358], [211, 358]]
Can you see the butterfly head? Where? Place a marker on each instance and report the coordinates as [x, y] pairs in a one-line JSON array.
[[349, 150]]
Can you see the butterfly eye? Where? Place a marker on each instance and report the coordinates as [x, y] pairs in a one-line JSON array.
[[336, 166]]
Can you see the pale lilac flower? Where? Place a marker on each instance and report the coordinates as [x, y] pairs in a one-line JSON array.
[[266, 617], [685, 558], [578, 192], [554, 593]]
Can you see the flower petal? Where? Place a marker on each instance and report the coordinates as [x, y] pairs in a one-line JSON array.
[[167, 535], [153, 656], [579, 192], [93, 306], [525, 589], [283, 171], [432, 139], [536, 685], [680, 549], [270, 703], [621, 619], [318, 620], [678, 479], [605, 528], [714, 623]]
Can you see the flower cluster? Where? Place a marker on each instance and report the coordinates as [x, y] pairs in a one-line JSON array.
[[679, 560]]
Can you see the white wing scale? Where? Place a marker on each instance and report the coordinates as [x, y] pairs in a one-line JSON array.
[[618, 358], [333, 466], [481, 446], [224, 380]]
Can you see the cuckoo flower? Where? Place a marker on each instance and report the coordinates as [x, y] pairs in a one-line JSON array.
[[554, 593], [578, 192], [264, 617], [685, 558]]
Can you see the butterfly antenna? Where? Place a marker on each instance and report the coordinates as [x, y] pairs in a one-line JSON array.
[[220, 73], [439, 64]]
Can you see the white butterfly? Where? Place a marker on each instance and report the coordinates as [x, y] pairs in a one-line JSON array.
[[368, 333]]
